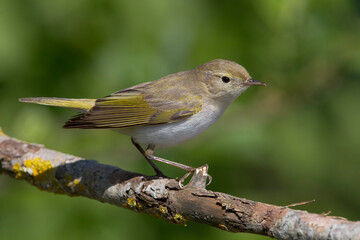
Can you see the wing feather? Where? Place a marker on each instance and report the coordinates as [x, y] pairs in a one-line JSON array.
[[136, 107]]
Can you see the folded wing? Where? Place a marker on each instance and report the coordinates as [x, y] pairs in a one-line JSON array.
[[137, 107]]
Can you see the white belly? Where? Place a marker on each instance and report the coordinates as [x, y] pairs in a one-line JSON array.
[[166, 135]]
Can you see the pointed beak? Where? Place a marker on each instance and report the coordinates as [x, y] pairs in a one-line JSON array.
[[252, 82]]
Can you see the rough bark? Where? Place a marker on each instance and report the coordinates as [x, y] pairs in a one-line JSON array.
[[163, 198]]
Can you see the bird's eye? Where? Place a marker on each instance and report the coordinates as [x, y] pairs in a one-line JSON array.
[[225, 79]]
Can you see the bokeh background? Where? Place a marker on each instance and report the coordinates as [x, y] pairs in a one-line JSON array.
[[295, 140]]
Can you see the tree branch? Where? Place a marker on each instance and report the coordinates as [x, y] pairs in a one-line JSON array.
[[163, 198]]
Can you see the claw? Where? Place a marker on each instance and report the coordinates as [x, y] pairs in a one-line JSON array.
[[181, 185], [210, 179], [182, 179]]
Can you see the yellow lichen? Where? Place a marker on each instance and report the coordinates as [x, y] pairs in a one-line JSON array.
[[37, 166], [138, 206], [163, 210], [74, 183], [180, 219], [131, 202], [40, 173], [17, 170]]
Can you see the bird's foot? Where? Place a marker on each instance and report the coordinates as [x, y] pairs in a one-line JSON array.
[[198, 180]]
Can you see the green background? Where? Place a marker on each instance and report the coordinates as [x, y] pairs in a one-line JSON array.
[[295, 140]]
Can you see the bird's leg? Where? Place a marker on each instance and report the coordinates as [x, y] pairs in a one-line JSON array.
[[149, 155], [157, 170]]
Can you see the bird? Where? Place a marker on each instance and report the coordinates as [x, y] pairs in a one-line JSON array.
[[165, 112]]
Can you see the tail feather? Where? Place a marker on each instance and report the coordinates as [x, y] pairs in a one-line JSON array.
[[78, 104]]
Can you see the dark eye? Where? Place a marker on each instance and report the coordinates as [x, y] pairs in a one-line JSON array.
[[225, 79]]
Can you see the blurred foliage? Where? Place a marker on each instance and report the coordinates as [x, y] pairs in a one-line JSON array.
[[295, 140]]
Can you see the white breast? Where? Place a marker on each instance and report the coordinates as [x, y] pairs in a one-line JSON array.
[[166, 135]]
